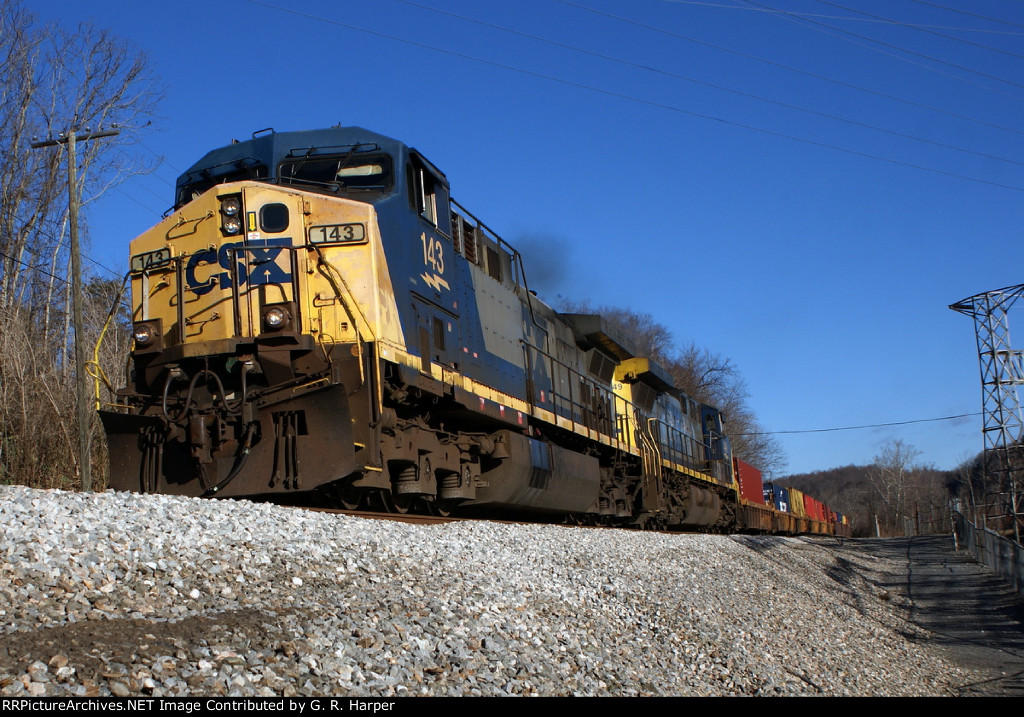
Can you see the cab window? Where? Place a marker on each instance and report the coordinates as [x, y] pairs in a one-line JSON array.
[[428, 196], [339, 174]]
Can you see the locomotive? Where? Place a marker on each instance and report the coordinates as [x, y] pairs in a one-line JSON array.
[[317, 319]]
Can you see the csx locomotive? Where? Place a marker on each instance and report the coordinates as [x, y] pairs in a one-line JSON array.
[[318, 318]]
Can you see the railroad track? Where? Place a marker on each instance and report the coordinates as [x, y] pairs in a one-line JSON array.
[[413, 518], [425, 519]]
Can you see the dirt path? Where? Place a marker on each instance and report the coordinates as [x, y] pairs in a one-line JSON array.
[[973, 615]]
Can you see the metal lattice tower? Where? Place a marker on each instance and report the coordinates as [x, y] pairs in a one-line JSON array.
[[1002, 370]]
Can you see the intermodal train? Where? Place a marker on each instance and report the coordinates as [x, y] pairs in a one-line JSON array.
[[317, 319]]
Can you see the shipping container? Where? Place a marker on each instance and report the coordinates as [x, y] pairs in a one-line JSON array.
[[777, 497], [796, 502], [750, 480]]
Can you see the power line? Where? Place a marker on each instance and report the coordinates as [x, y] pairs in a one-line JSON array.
[[163, 160], [971, 14], [139, 202], [702, 83], [639, 100], [789, 16], [925, 30], [790, 68], [59, 238], [956, 28], [61, 279], [857, 428]]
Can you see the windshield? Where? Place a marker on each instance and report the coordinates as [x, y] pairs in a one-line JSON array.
[[339, 174]]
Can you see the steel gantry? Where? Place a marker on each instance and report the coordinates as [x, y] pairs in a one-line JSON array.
[[1002, 370]]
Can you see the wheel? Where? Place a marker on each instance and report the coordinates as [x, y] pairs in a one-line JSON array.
[[350, 498], [393, 503], [443, 508]]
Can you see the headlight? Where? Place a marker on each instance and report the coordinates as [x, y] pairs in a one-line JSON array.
[[231, 214], [232, 224], [148, 335], [143, 334], [275, 317], [231, 206]]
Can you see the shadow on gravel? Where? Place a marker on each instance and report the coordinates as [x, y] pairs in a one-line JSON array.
[[842, 571], [763, 544], [969, 613], [87, 644], [972, 614], [776, 549]]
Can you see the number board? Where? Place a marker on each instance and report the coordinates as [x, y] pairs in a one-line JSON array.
[[151, 259], [337, 234]]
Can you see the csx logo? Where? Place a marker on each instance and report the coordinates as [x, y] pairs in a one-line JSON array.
[[255, 263]]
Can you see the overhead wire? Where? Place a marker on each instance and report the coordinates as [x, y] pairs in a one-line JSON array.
[[867, 425], [138, 201], [790, 68], [865, 20], [59, 238], [972, 14], [632, 98], [87, 288], [929, 31], [829, 29], [702, 83]]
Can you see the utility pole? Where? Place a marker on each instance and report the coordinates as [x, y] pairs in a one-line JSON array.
[[84, 415]]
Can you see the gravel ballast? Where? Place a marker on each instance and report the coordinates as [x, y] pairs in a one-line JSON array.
[[123, 594]]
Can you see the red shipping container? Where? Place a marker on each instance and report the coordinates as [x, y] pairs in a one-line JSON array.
[[749, 478], [813, 508]]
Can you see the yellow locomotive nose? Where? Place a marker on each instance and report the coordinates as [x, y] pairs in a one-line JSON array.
[[233, 333]]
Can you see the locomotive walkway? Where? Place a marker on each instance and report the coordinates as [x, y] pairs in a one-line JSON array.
[[973, 615]]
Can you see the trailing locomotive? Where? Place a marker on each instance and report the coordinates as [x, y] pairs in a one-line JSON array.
[[317, 318]]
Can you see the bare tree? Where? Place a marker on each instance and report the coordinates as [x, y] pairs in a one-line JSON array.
[[53, 80], [892, 477], [56, 80]]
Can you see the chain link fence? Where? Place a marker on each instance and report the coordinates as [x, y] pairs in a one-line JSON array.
[[1004, 556]]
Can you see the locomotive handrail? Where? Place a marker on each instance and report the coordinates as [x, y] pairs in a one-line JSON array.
[[179, 293], [650, 457], [670, 448], [517, 258], [676, 444], [480, 225], [378, 385], [574, 406]]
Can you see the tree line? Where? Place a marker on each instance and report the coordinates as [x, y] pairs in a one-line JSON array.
[[898, 494], [895, 494]]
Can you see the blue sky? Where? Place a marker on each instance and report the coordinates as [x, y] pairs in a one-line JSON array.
[[801, 186]]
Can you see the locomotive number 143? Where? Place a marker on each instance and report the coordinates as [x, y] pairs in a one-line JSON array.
[[433, 253], [337, 234]]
